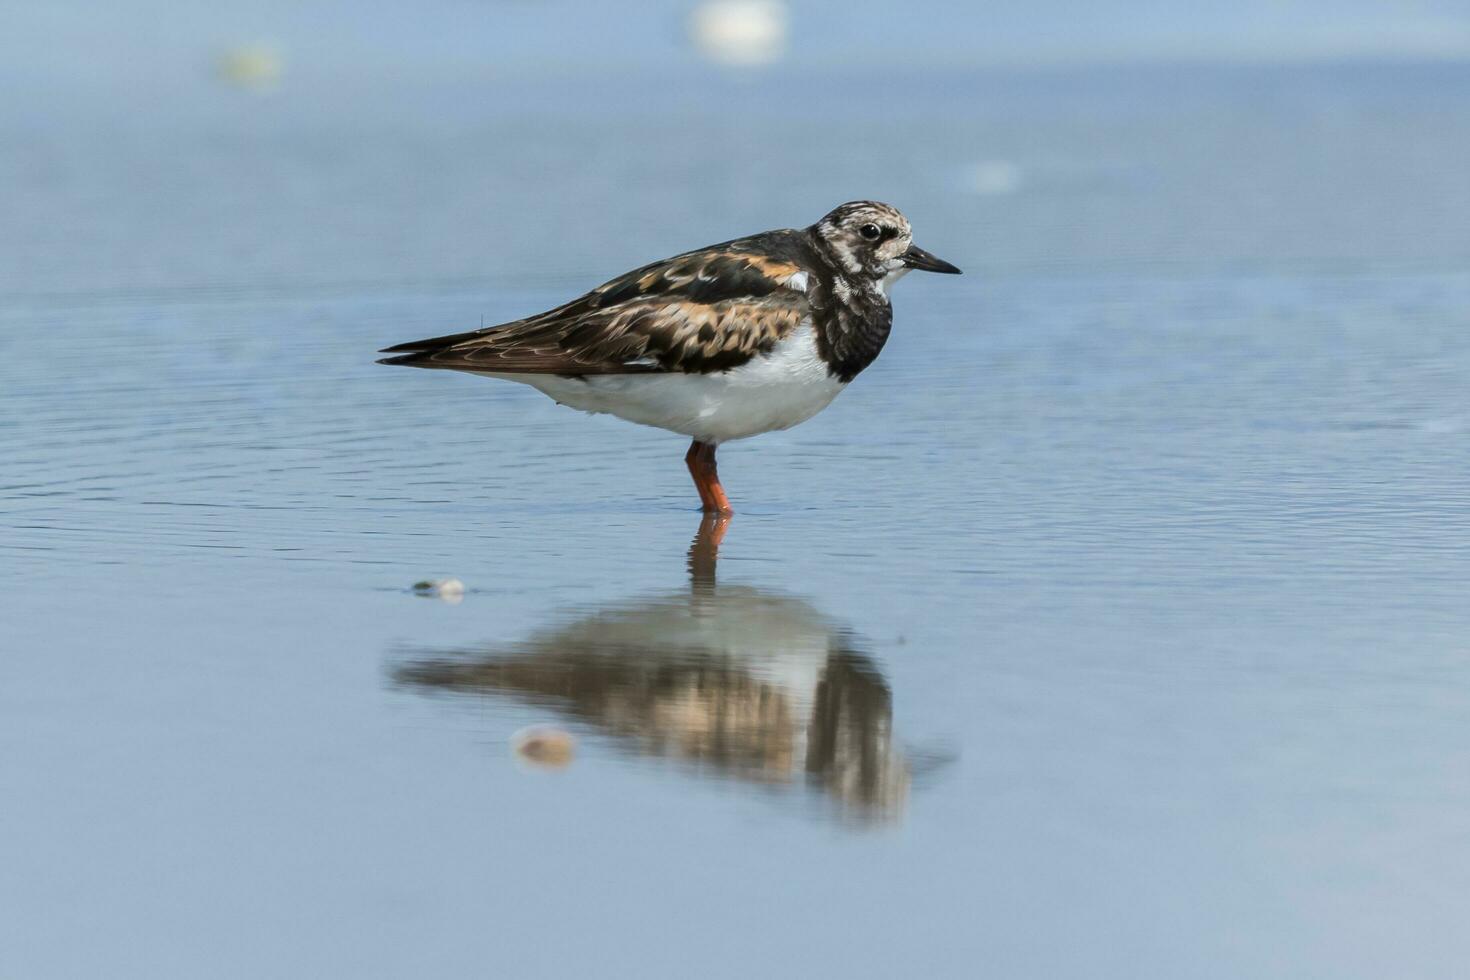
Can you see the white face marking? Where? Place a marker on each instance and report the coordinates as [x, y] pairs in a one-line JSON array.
[[894, 275], [837, 240]]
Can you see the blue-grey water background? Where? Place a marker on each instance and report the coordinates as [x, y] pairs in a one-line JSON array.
[[1140, 553]]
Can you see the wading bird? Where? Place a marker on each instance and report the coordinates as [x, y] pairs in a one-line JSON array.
[[722, 343]]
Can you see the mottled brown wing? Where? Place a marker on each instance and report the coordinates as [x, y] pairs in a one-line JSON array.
[[699, 312]]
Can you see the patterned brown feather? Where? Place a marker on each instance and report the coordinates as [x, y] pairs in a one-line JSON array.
[[703, 311]]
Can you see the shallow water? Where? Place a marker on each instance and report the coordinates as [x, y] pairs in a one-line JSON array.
[[1113, 624]]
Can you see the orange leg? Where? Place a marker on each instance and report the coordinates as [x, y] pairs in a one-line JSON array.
[[704, 553], [701, 462], [694, 461]]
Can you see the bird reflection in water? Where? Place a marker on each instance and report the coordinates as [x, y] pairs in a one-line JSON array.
[[732, 681]]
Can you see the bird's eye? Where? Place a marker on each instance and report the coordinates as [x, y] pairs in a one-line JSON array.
[[870, 232]]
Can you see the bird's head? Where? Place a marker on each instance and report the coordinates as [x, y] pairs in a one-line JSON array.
[[873, 241]]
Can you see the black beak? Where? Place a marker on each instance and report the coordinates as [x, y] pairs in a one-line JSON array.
[[917, 258]]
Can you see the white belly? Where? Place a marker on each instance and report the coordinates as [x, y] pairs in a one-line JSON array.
[[769, 392]]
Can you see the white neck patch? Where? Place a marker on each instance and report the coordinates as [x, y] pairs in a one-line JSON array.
[[892, 277]]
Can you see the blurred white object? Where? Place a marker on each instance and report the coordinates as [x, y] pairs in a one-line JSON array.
[[995, 177], [450, 590], [257, 67], [740, 32]]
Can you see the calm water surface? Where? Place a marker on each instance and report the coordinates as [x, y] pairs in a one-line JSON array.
[[1113, 625]]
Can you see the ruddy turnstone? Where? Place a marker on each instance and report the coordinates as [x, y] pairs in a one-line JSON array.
[[725, 342]]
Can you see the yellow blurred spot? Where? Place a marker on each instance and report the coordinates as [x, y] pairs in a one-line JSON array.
[[251, 66]]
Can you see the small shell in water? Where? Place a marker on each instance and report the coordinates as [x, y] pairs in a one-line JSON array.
[[544, 747], [450, 590]]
